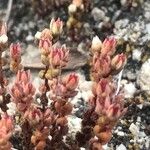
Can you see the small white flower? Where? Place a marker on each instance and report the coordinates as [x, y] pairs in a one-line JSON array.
[[3, 39], [96, 44], [72, 8], [38, 35]]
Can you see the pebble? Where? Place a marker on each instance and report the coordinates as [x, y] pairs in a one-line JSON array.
[[120, 133], [129, 90], [98, 14], [147, 143], [138, 119], [121, 147], [121, 23], [86, 95], [131, 76], [29, 37], [143, 78], [74, 124], [140, 106], [11, 108], [148, 28], [134, 129], [136, 54], [123, 2]]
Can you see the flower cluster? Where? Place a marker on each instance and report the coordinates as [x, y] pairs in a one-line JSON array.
[[108, 105], [45, 114], [22, 91], [42, 122], [6, 128], [15, 57], [109, 108], [54, 58], [104, 62], [75, 9], [66, 87]]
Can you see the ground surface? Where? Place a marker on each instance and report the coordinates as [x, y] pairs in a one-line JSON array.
[[128, 23]]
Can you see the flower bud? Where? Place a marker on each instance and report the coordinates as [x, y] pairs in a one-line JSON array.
[[118, 61], [62, 121], [67, 108], [46, 34], [108, 46], [3, 33], [33, 115], [51, 73], [101, 65], [103, 88], [71, 81], [104, 137], [3, 29], [23, 76], [96, 44], [15, 51], [45, 59], [41, 74], [97, 129], [97, 146], [45, 45], [56, 26], [58, 57], [41, 145]]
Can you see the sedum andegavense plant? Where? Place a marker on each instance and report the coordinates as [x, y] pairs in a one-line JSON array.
[[44, 118]]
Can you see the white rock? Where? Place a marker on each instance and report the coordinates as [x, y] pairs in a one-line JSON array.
[[143, 78], [148, 28], [74, 124], [98, 14], [105, 147], [136, 54], [129, 90], [123, 2], [134, 129], [121, 23], [86, 95], [147, 143], [29, 37], [85, 85], [147, 15], [11, 108], [142, 134], [140, 106], [138, 119], [120, 133], [121, 147]]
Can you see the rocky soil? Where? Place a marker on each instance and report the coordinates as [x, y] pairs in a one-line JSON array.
[[129, 22]]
